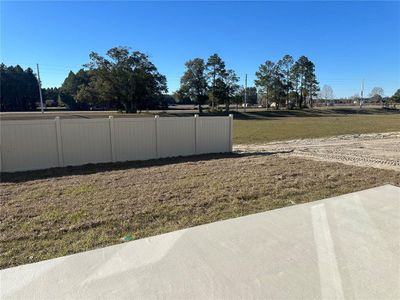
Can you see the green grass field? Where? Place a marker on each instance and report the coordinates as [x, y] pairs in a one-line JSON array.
[[263, 128]]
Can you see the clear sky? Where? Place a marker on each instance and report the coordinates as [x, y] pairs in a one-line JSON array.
[[348, 41]]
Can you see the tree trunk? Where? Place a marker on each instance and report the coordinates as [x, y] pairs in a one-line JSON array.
[[125, 105], [130, 107], [287, 98], [301, 100], [134, 108], [213, 91]]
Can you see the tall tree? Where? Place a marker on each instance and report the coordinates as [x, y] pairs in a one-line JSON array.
[[264, 82], [19, 89], [238, 98], [377, 94], [304, 78], [312, 85], [377, 91], [270, 83], [251, 95], [52, 96], [226, 88], [215, 70], [326, 93], [285, 65], [395, 99], [127, 78], [181, 97], [194, 82], [70, 87]]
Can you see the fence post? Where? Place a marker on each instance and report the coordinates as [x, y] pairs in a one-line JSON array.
[[60, 153], [230, 132], [112, 139], [196, 121], [156, 135]]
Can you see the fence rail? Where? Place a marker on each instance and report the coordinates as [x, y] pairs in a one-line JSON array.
[[41, 144]]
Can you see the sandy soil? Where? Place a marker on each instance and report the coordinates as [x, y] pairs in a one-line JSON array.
[[378, 150]]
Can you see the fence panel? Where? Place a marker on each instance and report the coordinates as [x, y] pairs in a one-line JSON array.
[[213, 135], [85, 141], [134, 139], [176, 136], [41, 144], [28, 145]]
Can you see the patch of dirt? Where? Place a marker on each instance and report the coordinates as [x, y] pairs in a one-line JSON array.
[[378, 150]]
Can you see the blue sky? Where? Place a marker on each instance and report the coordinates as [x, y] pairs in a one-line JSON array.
[[348, 41]]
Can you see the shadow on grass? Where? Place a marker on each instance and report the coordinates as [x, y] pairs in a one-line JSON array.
[[18, 177], [251, 114], [263, 114], [330, 112]]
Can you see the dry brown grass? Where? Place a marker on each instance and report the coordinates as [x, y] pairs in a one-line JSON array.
[[53, 213]]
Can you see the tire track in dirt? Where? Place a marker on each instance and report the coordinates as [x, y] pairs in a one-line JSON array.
[[379, 150]]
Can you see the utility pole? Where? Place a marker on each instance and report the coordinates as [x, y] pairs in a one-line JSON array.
[[40, 89], [362, 94], [245, 93]]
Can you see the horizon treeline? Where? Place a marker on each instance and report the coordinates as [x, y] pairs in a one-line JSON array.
[[19, 89], [286, 83], [127, 80]]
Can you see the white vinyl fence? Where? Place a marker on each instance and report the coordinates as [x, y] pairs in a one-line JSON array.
[[42, 144]]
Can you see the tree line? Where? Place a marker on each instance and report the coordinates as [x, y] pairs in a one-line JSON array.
[[123, 79], [211, 82], [377, 96], [288, 83], [127, 80], [19, 89]]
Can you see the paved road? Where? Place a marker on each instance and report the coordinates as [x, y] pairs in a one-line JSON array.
[[342, 247]]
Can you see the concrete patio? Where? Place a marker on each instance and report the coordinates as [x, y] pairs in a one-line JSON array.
[[341, 247]]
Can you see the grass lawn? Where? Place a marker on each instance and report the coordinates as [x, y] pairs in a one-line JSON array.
[[46, 214], [263, 129], [51, 213]]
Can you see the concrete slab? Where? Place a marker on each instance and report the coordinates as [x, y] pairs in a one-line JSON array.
[[342, 247]]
